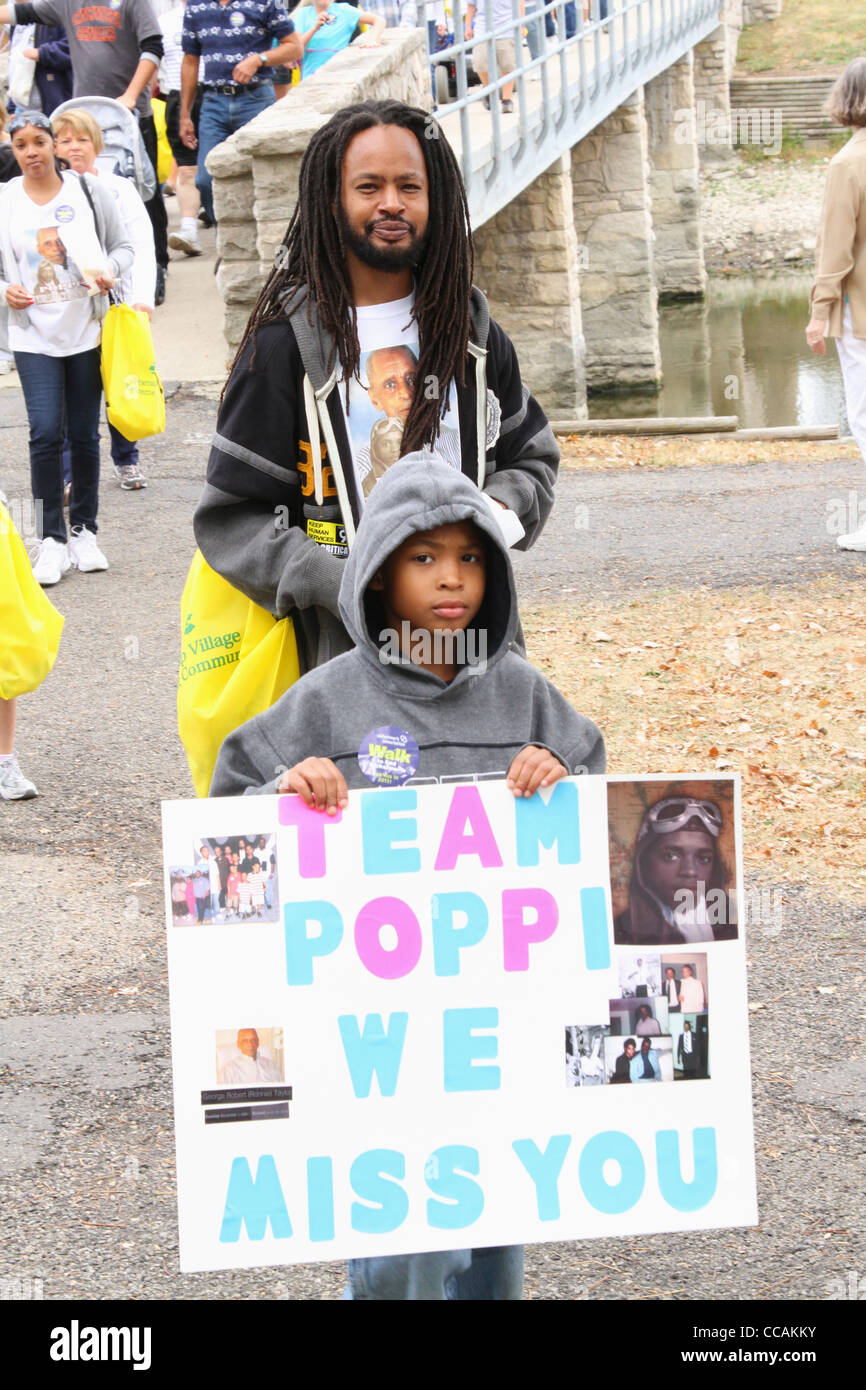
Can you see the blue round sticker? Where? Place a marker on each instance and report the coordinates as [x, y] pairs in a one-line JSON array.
[[388, 756], [64, 213]]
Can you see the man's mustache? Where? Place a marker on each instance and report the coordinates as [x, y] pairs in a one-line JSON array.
[[390, 222]]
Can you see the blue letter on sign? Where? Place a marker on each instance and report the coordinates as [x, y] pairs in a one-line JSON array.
[[369, 1176], [254, 1202], [544, 1169], [687, 1196], [449, 940], [379, 833], [598, 1192], [593, 916], [460, 1046], [555, 822], [373, 1052], [445, 1172], [320, 1198], [301, 948]]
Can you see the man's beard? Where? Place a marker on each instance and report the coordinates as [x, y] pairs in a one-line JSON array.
[[382, 257]]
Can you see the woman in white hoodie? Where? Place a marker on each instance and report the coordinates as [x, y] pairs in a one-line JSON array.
[[62, 246], [78, 141]]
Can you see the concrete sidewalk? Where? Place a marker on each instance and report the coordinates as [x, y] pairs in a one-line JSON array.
[[188, 327]]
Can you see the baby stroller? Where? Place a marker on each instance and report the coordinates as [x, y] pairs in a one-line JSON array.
[[124, 152], [445, 71]]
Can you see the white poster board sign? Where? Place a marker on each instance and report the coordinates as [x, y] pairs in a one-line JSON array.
[[447, 1018]]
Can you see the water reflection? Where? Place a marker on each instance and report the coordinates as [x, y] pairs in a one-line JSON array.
[[741, 352]]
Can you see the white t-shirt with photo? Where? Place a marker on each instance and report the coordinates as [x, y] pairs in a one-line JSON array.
[[379, 403], [58, 256]]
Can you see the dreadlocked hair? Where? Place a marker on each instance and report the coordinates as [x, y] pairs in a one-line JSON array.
[[312, 256]]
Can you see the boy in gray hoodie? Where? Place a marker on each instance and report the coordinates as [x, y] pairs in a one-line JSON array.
[[431, 691]]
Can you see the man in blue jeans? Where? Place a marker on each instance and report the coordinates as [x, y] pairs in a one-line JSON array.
[[234, 37]]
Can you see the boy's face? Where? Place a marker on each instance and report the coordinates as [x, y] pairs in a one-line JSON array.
[[435, 579]]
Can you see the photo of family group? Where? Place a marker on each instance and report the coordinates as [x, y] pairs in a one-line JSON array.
[[249, 1057], [658, 1029], [672, 862], [227, 880]]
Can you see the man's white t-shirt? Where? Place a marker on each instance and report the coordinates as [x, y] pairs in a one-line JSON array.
[[379, 403], [171, 27], [58, 256], [502, 13]]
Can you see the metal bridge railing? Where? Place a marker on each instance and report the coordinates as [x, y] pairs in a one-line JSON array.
[[579, 76]]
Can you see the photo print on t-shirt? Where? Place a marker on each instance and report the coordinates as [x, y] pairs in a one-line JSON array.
[[379, 407], [62, 257], [380, 401]]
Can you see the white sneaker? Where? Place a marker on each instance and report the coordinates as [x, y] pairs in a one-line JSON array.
[[189, 245], [84, 552], [13, 784], [855, 540], [51, 563], [6, 366]]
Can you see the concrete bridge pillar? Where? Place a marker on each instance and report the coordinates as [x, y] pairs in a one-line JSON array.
[[715, 58], [674, 183], [613, 221], [526, 262]]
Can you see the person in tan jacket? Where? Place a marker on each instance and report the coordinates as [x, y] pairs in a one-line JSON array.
[[838, 295]]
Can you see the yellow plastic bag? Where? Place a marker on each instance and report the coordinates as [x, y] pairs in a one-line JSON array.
[[30, 626], [133, 390], [163, 148], [236, 661]]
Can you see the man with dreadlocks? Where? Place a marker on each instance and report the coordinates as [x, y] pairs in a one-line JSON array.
[[376, 263]]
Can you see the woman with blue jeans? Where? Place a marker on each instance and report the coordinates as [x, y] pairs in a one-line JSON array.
[[78, 142], [62, 245]]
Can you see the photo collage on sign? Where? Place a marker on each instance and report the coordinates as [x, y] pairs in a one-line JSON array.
[[672, 865], [225, 881], [232, 881]]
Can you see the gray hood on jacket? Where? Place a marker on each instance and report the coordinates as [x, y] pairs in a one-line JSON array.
[[419, 493]]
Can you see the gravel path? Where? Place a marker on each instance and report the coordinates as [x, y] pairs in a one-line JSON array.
[[87, 1198]]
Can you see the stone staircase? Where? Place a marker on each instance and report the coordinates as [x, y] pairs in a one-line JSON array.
[[800, 100]]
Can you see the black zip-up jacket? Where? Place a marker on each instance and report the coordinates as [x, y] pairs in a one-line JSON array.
[[280, 508]]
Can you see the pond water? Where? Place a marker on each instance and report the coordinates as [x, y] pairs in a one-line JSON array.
[[742, 351]]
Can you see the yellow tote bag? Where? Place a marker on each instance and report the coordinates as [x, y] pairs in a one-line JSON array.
[[163, 148], [236, 661], [29, 624], [133, 391]]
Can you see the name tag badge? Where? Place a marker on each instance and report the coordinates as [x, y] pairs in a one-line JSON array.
[[330, 534]]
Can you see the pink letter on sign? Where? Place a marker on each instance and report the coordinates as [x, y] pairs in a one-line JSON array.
[[467, 808], [293, 810], [391, 912], [516, 932]]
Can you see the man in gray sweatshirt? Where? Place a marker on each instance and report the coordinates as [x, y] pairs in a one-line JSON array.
[[432, 690]]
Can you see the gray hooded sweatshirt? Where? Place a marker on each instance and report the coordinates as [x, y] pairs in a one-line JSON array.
[[357, 708]]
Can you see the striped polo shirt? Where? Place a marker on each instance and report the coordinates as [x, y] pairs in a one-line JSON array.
[[224, 34]]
